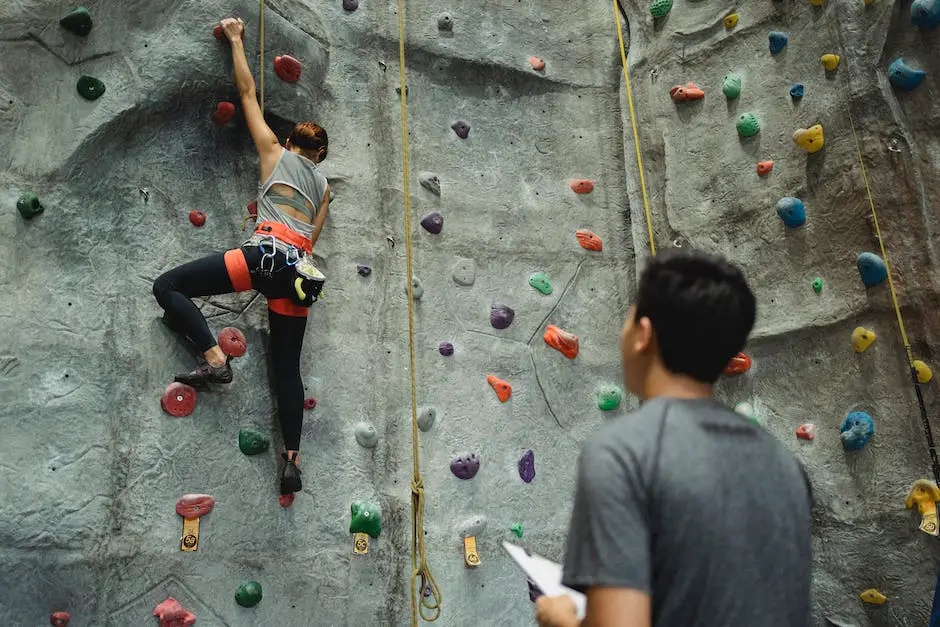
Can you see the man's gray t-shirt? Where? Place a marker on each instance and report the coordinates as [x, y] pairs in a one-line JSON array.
[[698, 507]]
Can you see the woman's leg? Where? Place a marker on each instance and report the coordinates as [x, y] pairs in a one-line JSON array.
[[287, 336]]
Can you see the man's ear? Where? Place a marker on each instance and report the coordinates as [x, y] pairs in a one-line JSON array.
[[643, 339]]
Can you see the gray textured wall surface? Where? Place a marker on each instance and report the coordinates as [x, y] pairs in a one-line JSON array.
[[90, 467]]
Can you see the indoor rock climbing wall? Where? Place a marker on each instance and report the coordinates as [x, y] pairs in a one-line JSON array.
[[91, 467]]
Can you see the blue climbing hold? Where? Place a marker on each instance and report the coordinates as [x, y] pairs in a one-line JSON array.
[[872, 269], [791, 211], [925, 13], [903, 76], [856, 429], [797, 90], [778, 41]]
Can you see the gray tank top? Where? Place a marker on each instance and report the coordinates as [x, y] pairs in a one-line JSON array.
[[305, 177]]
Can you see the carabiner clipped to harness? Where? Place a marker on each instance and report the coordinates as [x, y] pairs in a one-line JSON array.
[[267, 256], [296, 255]]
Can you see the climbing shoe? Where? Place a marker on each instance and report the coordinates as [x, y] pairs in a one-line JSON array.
[[207, 373], [290, 475]]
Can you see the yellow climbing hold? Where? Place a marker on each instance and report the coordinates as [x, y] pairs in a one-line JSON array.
[[810, 139], [924, 373], [869, 1], [873, 596], [862, 338], [731, 20], [830, 61], [817, 3], [925, 494]]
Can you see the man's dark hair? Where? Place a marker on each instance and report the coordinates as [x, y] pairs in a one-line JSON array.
[[701, 309]]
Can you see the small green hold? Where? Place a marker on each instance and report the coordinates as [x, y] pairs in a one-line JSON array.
[[817, 285], [252, 442], [77, 21], [90, 88], [541, 282], [609, 397], [516, 528], [29, 206], [748, 125], [248, 594], [366, 518], [731, 86], [660, 8]]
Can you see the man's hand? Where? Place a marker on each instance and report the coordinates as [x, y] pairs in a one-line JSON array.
[[556, 612], [234, 28]]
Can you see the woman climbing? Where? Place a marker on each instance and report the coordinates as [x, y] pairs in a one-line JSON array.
[[293, 197]]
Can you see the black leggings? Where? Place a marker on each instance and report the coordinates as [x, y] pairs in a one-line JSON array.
[[209, 276]]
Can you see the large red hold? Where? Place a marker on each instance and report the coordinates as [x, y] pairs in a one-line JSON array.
[[287, 68], [224, 112], [194, 505], [285, 500], [198, 218], [310, 403], [739, 364], [178, 400], [60, 619], [171, 614], [232, 342]]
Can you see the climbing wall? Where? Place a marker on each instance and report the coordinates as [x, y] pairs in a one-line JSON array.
[[528, 223]]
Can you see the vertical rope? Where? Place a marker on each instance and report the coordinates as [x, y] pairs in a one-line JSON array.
[[261, 71]]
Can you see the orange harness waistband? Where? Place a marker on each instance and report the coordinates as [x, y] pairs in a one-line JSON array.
[[285, 234]]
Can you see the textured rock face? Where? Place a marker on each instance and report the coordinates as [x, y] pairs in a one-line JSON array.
[[90, 466]]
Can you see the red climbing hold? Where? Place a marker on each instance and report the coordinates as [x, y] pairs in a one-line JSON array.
[[562, 341], [171, 614], [582, 186], [253, 208], [589, 240], [224, 112], [194, 505], [285, 500], [232, 342], [198, 218], [502, 388], [690, 91], [287, 68], [537, 63], [310, 403], [739, 364], [60, 619], [218, 33], [178, 400], [806, 431], [764, 167]]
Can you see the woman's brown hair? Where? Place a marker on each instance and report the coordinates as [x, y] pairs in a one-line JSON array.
[[311, 139]]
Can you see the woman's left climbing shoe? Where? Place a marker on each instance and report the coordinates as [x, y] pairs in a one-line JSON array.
[[290, 475], [207, 373]]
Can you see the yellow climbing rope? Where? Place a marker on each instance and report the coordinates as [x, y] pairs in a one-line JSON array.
[[421, 577], [636, 134], [261, 45]]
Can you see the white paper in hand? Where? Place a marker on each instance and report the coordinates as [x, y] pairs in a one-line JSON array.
[[546, 574]]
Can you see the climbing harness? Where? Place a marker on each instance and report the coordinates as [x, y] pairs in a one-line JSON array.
[[636, 134], [420, 572]]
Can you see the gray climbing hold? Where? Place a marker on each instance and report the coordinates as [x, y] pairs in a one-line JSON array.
[[366, 435], [445, 21], [461, 128], [430, 182], [501, 316], [417, 287], [465, 272], [433, 223], [472, 527], [363, 269], [350, 5], [398, 90], [426, 418]]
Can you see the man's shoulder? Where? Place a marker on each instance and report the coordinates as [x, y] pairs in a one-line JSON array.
[[633, 431]]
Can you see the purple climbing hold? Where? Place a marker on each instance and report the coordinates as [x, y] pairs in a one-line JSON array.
[[527, 466], [465, 465], [363, 269], [501, 316], [446, 349], [433, 223], [461, 128], [350, 5]]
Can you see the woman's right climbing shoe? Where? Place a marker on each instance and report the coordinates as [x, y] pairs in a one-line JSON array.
[[207, 373], [290, 475]]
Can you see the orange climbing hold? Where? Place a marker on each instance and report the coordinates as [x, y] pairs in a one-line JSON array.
[[689, 91], [764, 167], [224, 112], [739, 364], [562, 341], [589, 240], [537, 63], [502, 388], [582, 186], [806, 431], [287, 68]]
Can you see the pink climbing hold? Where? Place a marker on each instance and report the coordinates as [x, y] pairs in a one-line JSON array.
[[171, 614], [287, 68], [232, 342], [537, 63], [806, 431], [60, 619], [178, 400], [582, 186], [310, 403], [224, 112], [253, 208], [194, 505], [285, 500]]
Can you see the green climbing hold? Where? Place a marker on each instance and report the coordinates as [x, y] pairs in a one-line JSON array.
[[731, 86], [541, 282], [248, 594], [29, 206], [748, 125], [660, 8], [817, 285], [366, 518], [252, 442], [516, 528], [609, 397], [90, 88], [77, 21]]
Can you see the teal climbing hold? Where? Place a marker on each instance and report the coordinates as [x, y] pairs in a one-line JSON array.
[[609, 397], [925, 13], [871, 268], [516, 528], [248, 594], [731, 86], [778, 41], [660, 8], [791, 211], [29, 206], [77, 21], [366, 518], [90, 88], [252, 442], [797, 90], [748, 125], [541, 282], [817, 285], [903, 76]]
